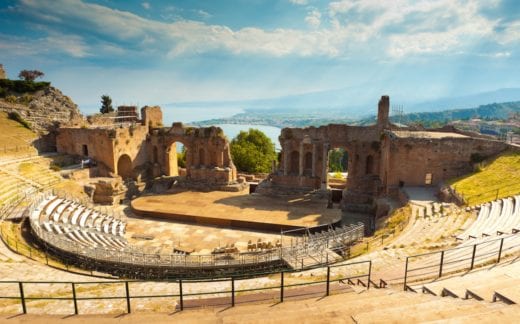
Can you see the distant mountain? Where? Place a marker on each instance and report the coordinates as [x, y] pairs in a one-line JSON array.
[[468, 101], [492, 111], [354, 102]]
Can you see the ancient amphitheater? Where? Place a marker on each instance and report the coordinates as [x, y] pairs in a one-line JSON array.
[[106, 226]]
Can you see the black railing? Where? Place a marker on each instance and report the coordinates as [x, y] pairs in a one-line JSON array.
[[466, 257], [361, 274]]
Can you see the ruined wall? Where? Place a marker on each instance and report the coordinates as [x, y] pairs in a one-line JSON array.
[[408, 160], [304, 161], [98, 143], [208, 157], [151, 116]]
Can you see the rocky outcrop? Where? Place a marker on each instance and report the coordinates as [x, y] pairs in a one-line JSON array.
[[45, 109]]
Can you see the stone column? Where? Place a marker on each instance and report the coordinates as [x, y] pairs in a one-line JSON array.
[[325, 166], [314, 158], [285, 159], [302, 160]]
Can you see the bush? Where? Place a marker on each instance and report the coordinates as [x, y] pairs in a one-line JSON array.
[[253, 152], [13, 115], [22, 86]]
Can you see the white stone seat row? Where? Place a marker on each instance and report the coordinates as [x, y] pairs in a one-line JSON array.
[[495, 218], [84, 226]]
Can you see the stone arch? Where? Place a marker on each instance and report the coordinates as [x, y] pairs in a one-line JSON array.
[[173, 167], [369, 165], [124, 167], [294, 166]]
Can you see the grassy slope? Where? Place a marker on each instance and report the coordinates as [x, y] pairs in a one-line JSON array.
[[501, 173], [14, 138]]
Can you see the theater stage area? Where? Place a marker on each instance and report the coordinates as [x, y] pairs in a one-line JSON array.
[[238, 209]]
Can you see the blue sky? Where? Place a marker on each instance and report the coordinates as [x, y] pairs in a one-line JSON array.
[[156, 52]]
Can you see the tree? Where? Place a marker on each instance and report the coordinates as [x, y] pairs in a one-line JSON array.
[[30, 75], [253, 151], [106, 104]]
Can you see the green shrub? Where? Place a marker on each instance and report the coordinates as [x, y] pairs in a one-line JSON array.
[[13, 115], [21, 86]]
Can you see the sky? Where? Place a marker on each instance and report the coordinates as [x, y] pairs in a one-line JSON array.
[[157, 52]]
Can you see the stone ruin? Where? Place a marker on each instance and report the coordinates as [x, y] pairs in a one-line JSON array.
[[381, 158], [146, 150]]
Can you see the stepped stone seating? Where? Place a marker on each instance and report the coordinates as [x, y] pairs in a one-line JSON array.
[[495, 218], [479, 284], [80, 224], [424, 231]]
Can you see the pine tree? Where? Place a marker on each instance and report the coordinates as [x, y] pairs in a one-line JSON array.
[[106, 104]]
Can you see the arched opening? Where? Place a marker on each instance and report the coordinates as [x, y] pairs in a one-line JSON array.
[[177, 161], [155, 153], [337, 168], [124, 167], [84, 148], [294, 167], [369, 165]]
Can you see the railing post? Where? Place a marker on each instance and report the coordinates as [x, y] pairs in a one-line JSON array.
[[22, 297], [369, 273], [181, 300], [473, 256], [281, 287], [128, 309], [74, 299], [500, 250], [405, 274], [232, 292], [440, 266], [328, 282]]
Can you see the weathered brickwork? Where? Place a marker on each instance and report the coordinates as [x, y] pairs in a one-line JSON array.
[[146, 149]]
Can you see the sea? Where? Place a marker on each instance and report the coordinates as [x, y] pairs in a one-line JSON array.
[[186, 115]]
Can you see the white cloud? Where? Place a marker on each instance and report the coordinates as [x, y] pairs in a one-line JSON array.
[[393, 29], [203, 14], [299, 2], [146, 5], [313, 18], [55, 42]]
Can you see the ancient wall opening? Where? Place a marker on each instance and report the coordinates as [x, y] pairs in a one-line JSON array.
[[124, 167], [177, 161]]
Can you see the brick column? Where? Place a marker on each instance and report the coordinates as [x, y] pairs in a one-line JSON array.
[[325, 165], [314, 158], [302, 157], [285, 159]]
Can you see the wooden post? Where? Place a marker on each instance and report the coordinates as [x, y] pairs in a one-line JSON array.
[[22, 297], [500, 250], [473, 256], [181, 300], [128, 308], [74, 298], [442, 261], [328, 282], [281, 287], [405, 274], [232, 292]]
